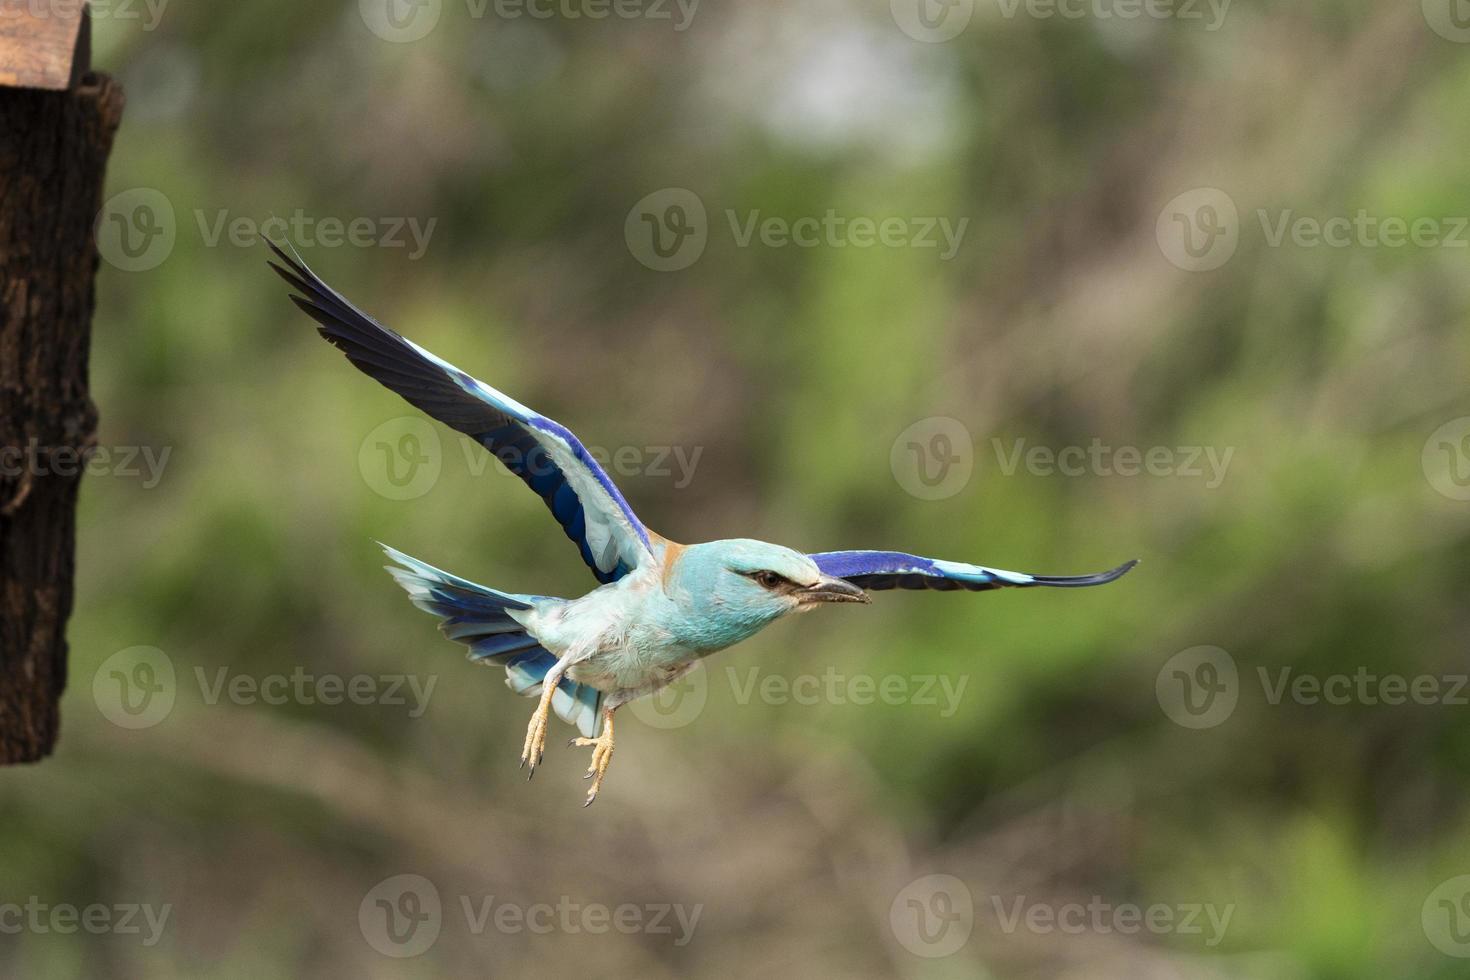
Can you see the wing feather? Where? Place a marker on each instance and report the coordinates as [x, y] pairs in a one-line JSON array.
[[879, 570], [544, 454]]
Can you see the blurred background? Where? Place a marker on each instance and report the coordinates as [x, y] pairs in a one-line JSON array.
[[1042, 285]]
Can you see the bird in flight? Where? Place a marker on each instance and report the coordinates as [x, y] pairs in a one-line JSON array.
[[660, 608]]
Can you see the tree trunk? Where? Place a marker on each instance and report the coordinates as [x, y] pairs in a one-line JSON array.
[[53, 151]]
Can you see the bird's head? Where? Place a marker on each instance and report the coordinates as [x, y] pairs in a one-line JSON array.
[[731, 589]]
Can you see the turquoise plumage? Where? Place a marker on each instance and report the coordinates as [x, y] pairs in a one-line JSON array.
[[662, 607]]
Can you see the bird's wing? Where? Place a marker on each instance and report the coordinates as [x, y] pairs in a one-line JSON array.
[[545, 455], [877, 570]]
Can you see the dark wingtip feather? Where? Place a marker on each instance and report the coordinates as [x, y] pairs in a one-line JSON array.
[[1078, 581], [293, 260]]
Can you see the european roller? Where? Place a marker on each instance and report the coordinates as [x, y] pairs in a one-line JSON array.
[[660, 608]]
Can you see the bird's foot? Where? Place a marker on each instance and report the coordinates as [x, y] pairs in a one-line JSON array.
[[535, 745], [602, 750]]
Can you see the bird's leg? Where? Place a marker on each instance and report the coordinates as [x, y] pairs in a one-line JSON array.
[[536, 731], [602, 750]]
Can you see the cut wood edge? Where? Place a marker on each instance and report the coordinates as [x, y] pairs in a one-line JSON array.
[[44, 45]]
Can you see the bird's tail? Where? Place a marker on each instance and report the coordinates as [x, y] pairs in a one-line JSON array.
[[485, 620]]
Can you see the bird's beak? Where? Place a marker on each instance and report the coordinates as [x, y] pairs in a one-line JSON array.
[[831, 589]]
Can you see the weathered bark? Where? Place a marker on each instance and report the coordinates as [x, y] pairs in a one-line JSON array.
[[53, 151]]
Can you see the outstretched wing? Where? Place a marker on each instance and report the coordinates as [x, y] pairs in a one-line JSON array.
[[545, 455], [878, 570]]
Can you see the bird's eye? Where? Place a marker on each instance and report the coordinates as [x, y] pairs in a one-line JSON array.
[[768, 580]]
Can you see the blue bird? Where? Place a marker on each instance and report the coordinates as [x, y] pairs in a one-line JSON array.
[[661, 607]]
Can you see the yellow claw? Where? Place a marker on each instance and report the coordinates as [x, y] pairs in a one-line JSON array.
[[535, 745], [602, 751]]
